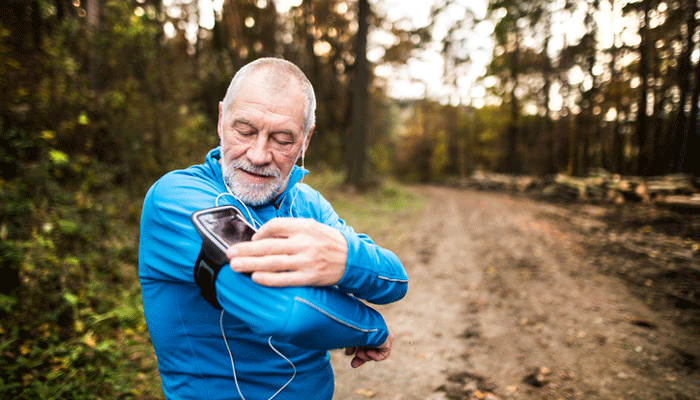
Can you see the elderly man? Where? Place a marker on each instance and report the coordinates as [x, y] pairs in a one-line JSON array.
[[263, 326]]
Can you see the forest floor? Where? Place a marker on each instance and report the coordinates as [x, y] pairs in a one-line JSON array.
[[516, 298]]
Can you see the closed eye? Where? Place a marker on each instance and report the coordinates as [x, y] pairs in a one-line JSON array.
[[244, 128], [283, 138], [246, 132]]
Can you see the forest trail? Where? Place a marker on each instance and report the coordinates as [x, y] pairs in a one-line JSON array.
[[505, 302]]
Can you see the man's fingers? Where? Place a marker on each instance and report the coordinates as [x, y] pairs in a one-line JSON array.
[[357, 362], [360, 358], [272, 255], [286, 245], [262, 264], [365, 354], [377, 355], [264, 247], [280, 227]]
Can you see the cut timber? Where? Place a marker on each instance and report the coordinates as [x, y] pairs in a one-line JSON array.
[[671, 184], [681, 203], [494, 181], [679, 191]]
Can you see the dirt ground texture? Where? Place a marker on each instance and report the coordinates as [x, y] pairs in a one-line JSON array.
[[517, 298]]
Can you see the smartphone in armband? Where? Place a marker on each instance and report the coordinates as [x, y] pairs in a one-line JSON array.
[[219, 227]]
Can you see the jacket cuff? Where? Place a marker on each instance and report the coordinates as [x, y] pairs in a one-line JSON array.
[[372, 273]]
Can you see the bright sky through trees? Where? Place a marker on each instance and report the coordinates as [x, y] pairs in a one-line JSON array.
[[423, 74]]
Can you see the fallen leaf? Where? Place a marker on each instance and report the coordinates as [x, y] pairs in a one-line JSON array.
[[365, 392]]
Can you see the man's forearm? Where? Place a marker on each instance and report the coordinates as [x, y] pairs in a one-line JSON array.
[[319, 318]]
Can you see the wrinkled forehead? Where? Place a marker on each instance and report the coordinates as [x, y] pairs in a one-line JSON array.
[[268, 97], [278, 87]]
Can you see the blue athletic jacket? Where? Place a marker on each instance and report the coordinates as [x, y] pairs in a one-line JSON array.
[[276, 338]]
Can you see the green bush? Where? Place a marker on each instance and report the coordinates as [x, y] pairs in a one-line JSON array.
[[71, 322]]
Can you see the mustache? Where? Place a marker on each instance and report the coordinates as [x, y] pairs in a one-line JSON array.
[[264, 170]]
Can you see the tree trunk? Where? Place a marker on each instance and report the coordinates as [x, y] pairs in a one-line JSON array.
[[643, 89], [232, 32], [616, 160], [692, 133], [512, 162], [686, 124], [550, 166], [94, 10], [593, 137], [573, 163], [360, 97], [586, 148], [310, 62], [618, 144], [657, 139]]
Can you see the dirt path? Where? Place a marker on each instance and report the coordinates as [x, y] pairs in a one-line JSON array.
[[505, 302]]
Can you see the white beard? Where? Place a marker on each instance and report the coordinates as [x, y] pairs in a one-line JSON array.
[[250, 193]]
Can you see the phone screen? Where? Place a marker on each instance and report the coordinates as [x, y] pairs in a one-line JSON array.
[[224, 226]]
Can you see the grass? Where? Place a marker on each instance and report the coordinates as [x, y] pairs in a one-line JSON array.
[[386, 212], [112, 356]]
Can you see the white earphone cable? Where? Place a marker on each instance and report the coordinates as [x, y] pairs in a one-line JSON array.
[[255, 223], [221, 318], [233, 364], [269, 342]]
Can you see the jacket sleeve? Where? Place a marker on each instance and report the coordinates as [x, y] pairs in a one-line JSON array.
[[372, 273], [319, 318]]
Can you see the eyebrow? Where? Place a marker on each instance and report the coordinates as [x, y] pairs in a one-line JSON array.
[[244, 122]]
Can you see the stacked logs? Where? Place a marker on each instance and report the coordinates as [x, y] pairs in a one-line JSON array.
[[678, 191]]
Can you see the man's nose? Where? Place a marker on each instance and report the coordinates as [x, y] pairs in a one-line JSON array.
[[259, 151]]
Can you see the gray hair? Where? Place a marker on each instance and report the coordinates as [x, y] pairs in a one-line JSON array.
[[278, 73]]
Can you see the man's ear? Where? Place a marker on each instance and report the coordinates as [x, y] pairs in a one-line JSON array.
[[308, 139], [220, 121]]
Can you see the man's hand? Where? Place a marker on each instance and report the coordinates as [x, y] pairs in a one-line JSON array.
[[364, 354], [292, 252]]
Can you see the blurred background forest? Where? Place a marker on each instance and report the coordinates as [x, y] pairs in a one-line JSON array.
[[101, 97]]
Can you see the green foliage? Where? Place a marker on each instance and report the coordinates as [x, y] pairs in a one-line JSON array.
[[70, 328], [71, 324], [439, 157], [99, 360], [380, 157], [386, 212], [488, 147]]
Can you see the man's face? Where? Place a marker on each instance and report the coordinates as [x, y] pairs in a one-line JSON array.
[[261, 138]]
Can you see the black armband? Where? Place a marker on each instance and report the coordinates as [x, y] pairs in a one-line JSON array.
[[219, 227], [205, 273]]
